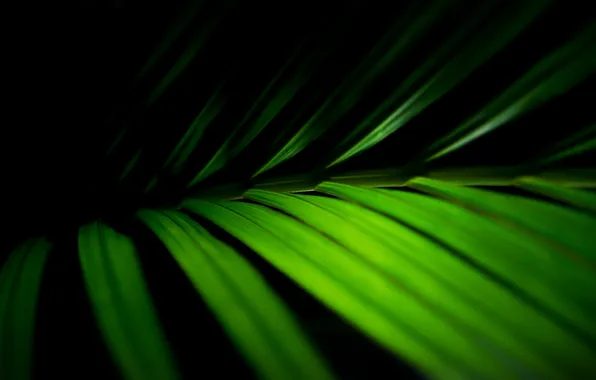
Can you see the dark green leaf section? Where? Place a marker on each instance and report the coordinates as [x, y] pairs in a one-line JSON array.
[[258, 322], [336, 91], [494, 37], [182, 23], [583, 199], [244, 133], [183, 61], [582, 142], [20, 279], [552, 76], [122, 304], [394, 44]]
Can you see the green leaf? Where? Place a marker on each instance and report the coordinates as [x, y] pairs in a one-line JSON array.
[[284, 93], [20, 278], [122, 304], [131, 164], [354, 288], [386, 246], [552, 76], [181, 153], [241, 136], [185, 58], [493, 38], [183, 21], [577, 197], [566, 227], [255, 318], [530, 265], [416, 78], [417, 20], [576, 144]]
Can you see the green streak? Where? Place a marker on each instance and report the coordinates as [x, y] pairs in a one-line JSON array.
[[533, 266], [20, 279], [581, 142], [122, 304], [131, 164], [183, 61], [551, 77], [351, 287], [193, 135], [393, 45], [583, 199], [410, 259], [237, 140], [557, 224], [496, 35], [258, 322], [170, 37]]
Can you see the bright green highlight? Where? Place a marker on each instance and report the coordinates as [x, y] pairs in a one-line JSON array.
[[352, 287], [531, 265], [431, 273], [256, 319], [557, 224]]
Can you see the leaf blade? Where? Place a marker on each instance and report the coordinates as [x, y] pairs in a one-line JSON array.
[[250, 312], [20, 280], [122, 304]]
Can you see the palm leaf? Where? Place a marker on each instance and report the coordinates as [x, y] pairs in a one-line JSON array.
[[19, 285], [375, 161], [121, 303], [251, 313]]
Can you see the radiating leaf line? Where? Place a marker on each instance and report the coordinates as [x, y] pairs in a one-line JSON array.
[[581, 198], [535, 236], [131, 164], [255, 318], [184, 19], [531, 264], [385, 320], [281, 99], [188, 143], [581, 142], [393, 259], [552, 76], [231, 147], [496, 35], [117, 140], [300, 77], [20, 279], [347, 94], [506, 176], [536, 266], [580, 148], [407, 86], [581, 178], [183, 61], [122, 304], [526, 264], [561, 225]]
